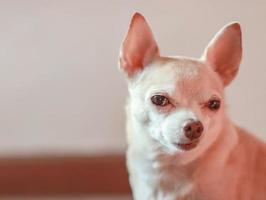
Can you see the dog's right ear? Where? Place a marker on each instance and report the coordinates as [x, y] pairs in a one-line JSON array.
[[139, 47], [224, 52]]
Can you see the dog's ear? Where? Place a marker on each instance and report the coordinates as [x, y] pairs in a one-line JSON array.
[[139, 47], [224, 52]]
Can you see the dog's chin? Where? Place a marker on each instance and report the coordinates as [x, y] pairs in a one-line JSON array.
[[187, 146], [176, 148]]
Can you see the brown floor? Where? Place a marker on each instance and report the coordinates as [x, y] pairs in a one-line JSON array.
[[49, 176], [69, 198]]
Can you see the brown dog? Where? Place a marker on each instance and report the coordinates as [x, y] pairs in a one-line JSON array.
[[182, 145]]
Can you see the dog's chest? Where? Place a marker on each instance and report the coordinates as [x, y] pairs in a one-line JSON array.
[[154, 180]]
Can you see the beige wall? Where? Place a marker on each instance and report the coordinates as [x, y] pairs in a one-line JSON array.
[[60, 87]]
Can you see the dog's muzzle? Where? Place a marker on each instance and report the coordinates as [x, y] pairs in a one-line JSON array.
[[192, 130]]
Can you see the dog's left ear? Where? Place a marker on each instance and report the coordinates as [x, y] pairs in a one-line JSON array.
[[224, 52], [139, 47]]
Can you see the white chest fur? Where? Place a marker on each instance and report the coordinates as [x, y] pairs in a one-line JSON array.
[[152, 180]]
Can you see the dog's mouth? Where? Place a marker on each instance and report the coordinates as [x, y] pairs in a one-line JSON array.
[[188, 146]]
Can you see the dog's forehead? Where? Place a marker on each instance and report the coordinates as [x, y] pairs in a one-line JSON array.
[[168, 71], [177, 74]]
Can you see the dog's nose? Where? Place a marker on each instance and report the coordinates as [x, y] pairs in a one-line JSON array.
[[193, 130]]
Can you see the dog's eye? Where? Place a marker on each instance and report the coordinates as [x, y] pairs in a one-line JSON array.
[[214, 104], [160, 100]]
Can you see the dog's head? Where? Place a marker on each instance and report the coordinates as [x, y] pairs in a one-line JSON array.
[[179, 101]]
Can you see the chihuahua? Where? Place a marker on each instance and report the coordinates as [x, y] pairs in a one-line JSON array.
[[181, 143]]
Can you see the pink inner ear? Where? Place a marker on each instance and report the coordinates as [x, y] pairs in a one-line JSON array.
[[139, 47], [225, 51]]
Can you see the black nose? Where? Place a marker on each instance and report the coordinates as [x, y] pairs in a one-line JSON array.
[[193, 130]]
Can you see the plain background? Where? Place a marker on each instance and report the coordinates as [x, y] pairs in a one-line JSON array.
[[60, 88]]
